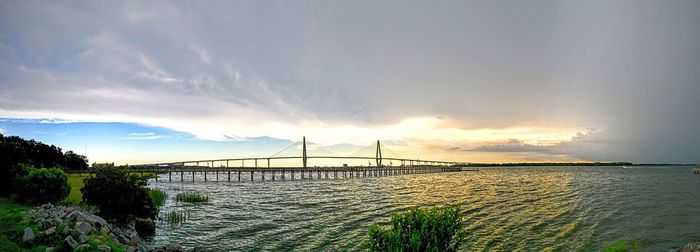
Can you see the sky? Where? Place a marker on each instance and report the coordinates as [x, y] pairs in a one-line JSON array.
[[478, 81]]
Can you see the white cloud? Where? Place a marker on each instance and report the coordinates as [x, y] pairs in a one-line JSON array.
[[143, 136]]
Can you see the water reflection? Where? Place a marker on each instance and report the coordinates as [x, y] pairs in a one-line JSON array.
[[505, 209]]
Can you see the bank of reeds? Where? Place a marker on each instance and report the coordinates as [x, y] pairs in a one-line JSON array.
[[191, 198], [158, 197], [176, 218]]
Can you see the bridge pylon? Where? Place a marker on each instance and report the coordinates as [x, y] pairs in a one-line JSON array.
[[378, 155], [303, 151]]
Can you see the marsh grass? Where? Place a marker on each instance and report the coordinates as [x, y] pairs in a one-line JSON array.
[[191, 198], [158, 197], [419, 229], [622, 246], [175, 217]]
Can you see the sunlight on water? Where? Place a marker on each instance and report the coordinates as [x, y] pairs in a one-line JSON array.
[[531, 208]]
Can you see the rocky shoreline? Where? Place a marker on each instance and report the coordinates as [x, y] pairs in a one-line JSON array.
[[76, 227]]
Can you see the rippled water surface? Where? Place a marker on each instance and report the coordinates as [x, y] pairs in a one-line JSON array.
[[533, 208]]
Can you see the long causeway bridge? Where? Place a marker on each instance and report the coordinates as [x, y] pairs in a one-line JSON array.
[[261, 168]]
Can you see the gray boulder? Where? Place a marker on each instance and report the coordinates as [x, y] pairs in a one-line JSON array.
[[691, 247], [28, 235], [104, 248], [128, 248], [84, 228], [83, 247], [71, 242], [82, 239]]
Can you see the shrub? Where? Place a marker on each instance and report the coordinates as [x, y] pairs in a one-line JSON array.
[[118, 195], [15, 150], [42, 185], [436, 229], [191, 198]]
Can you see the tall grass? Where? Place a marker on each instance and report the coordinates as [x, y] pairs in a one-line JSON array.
[[436, 229], [175, 217], [158, 197], [622, 246], [191, 198]]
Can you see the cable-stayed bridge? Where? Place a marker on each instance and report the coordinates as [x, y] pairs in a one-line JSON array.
[[294, 162]]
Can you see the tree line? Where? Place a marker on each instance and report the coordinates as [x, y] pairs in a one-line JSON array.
[[15, 151]]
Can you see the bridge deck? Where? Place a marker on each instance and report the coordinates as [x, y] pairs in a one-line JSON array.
[[188, 172]]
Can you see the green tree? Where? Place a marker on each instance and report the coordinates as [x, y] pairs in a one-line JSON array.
[[436, 229], [15, 150], [44, 185], [74, 161], [118, 195]]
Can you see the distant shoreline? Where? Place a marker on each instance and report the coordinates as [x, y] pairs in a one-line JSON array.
[[569, 164]]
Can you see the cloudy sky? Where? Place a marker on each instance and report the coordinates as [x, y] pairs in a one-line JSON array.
[[485, 81]]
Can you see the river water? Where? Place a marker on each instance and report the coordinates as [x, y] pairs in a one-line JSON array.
[[505, 209]]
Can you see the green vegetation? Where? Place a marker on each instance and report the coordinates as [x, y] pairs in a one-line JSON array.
[[119, 195], [622, 246], [75, 197], [16, 150], [13, 223], [191, 198], [10, 228], [158, 197], [42, 185], [97, 239], [436, 229], [175, 218]]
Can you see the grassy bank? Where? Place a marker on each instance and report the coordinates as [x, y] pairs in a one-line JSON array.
[[11, 228]]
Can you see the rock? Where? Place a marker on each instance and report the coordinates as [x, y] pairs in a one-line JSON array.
[[104, 248], [28, 235], [691, 247], [104, 230], [50, 231], [83, 247], [84, 228], [173, 247], [82, 239], [128, 248], [114, 237], [51, 249], [142, 248], [145, 227], [45, 224], [71, 242], [72, 216]]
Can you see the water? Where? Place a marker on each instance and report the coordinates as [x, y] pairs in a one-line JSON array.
[[529, 208]]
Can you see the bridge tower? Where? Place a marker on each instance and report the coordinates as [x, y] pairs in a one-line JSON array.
[[378, 155], [303, 151]]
